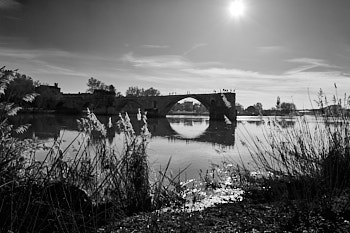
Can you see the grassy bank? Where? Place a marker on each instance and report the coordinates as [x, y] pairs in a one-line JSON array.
[[79, 189], [304, 168], [77, 192]]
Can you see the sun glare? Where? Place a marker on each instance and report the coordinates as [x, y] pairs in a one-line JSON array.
[[237, 8]]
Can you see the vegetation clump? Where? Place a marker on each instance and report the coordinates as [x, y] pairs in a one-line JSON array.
[[305, 167], [78, 190]]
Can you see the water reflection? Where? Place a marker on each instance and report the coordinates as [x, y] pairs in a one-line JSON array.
[[196, 129], [44, 127], [187, 139], [284, 122]]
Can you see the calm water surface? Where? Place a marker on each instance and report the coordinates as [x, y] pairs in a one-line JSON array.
[[188, 140]]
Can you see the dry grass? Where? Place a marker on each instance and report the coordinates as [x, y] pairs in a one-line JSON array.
[[305, 163], [79, 192]]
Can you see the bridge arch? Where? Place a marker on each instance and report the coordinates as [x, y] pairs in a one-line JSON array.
[[218, 105], [173, 101]]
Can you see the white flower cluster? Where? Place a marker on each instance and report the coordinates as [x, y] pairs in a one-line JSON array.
[[125, 125], [91, 124]]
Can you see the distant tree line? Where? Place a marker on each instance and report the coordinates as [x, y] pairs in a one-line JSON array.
[[189, 106], [94, 84], [136, 92], [283, 108], [20, 85]]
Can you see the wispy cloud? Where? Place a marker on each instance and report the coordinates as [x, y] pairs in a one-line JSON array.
[[178, 71], [308, 64], [272, 49], [196, 46], [47, 68], [216, 74], [151, 46], [43, 54], [313, 61], [245, 80], [153, 62], [40, 61], [16, 53], [9, 4], [12, 41], [256, 85], [229, 72]]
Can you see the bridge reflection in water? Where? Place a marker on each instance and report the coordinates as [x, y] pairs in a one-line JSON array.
[[196, 129], [214, 132]]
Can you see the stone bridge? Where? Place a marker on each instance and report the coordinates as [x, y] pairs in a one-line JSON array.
[[218, 104], [102, 102]]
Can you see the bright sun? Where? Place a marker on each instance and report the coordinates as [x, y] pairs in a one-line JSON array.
[[237, 8]]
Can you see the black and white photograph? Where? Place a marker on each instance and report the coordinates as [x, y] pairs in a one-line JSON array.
[[174, 116]]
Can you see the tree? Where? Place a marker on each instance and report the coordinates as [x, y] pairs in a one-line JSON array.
[[136, 91], [47, 99], [118, 94], [114, 91], [151, 92], [288, 107], [111, 88], [94, 84], [258, 106], [17, 88], [252, 110], [9, 79]]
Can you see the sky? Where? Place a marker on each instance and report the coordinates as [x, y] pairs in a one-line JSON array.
[[285, 48]]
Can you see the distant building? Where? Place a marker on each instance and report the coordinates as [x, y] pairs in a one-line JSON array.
[[54, 90], [49, 96], [188, 106]]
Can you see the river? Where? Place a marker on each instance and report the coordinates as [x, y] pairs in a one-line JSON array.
[[192, 141]]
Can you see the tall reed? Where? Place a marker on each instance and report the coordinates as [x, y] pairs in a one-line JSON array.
[[307, 162], [76, 189]]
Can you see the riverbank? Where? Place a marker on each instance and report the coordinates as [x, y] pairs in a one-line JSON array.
[[250, 215], [258, 212]]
